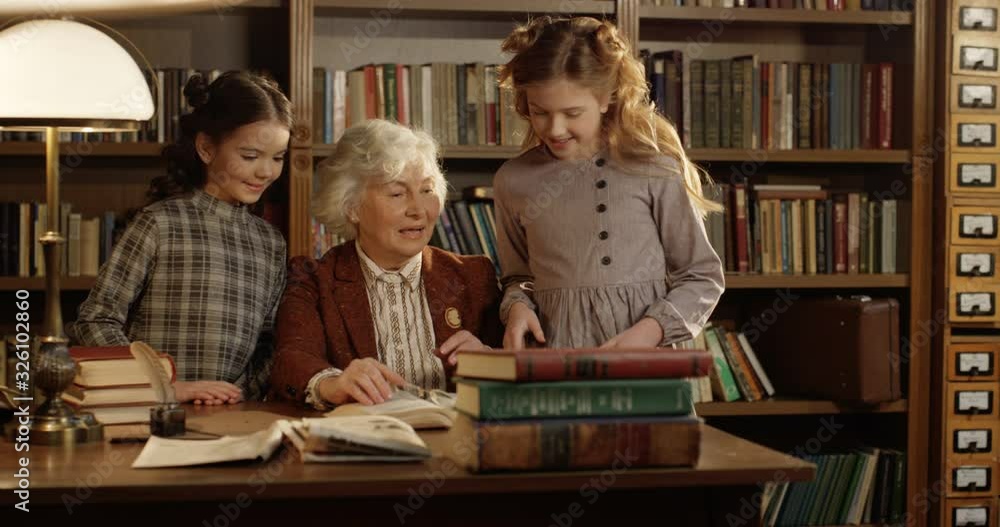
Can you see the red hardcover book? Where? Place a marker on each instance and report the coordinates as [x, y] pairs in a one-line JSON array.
[[885, 105], [112, 366], [868, 110], [551, 364], [840, 233]]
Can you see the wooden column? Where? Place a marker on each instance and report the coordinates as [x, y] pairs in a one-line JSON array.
[[627, 20], [300, 20]]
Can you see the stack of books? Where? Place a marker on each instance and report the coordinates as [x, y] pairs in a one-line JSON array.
[[110, 384], [560, 409]]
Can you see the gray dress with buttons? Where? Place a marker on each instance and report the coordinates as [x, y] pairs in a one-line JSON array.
[[594, 247]]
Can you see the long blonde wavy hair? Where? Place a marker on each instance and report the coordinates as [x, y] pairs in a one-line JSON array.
[[592, 54]]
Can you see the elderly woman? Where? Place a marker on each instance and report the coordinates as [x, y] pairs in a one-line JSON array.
[[383, 308]]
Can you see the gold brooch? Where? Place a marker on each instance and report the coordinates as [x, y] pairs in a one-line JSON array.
[[452, 317]]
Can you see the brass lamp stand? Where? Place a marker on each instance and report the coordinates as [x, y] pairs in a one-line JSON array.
[[55, 422]]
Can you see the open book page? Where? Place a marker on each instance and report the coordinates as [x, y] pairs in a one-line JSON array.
[[437, 412], [362, 435], [165, 452]]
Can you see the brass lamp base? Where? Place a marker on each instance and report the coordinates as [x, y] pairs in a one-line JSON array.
[[66, 430], [55, 422]]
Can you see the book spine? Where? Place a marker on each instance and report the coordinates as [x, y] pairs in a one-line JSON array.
[[577, 445], [623, 365], [583, 398]]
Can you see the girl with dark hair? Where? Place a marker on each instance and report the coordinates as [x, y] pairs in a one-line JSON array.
[[196, 274]]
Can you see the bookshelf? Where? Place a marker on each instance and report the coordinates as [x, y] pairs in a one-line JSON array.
[[779, 406], [832, 281], [775, 16], [308, 33], [807, 36], [967, 345]]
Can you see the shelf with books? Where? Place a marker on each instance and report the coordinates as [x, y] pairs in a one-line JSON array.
[[470, 9], [108, 149], [696, 154], [776, 16], [815, 281], [800, 155], [35, 283], [782, 406], [449, 151]]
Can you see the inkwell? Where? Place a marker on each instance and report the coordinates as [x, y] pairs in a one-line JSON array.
[[166, 418]]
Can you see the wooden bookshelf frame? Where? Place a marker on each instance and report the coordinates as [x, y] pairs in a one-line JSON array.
[[631, 16]]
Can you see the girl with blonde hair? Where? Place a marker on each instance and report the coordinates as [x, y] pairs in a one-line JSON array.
[[600, 221]]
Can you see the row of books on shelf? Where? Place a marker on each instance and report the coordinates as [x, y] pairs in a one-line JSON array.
[[164, 127], [459, 104], [735, 374], [743, 102], [818, 5], [765, 229], [74, 137], [88, 240], [860, 486], [805, 229]]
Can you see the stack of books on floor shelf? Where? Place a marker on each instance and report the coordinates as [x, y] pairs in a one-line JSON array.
[[556, 409]]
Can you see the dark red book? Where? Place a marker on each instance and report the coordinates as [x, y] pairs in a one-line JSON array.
[[840, 234], [112, 366], [550, 364]]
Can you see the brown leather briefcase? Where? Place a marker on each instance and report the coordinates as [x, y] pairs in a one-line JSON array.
[[844, 349]]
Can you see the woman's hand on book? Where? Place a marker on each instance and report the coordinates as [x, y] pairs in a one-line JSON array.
[[520, 320], [207, 392], [463, 340], [366, 381], [645, 333]]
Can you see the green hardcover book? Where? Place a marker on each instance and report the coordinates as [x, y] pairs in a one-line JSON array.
[[506, 400], [852, 488], [818, 515], [389, 87], [723, 384], [837, 496], [897, 504], [811, 489]]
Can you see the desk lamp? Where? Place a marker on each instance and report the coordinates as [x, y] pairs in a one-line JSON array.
[[61, 74]]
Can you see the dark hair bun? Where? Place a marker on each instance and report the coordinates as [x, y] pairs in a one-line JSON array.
[[196, 90]]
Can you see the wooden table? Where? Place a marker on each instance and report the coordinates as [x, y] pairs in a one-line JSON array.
[[96, 483]]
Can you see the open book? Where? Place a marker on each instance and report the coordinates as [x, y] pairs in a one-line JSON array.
[[162, 452], [323, 439], [355, 438], [438, 411]]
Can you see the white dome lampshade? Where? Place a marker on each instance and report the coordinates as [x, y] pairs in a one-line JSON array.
[[61, 73], [112, 8]]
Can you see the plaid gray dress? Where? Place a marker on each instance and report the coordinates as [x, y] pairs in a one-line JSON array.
[[199, 279]]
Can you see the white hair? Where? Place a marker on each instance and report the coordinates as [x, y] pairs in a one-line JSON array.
[[373, 152]]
